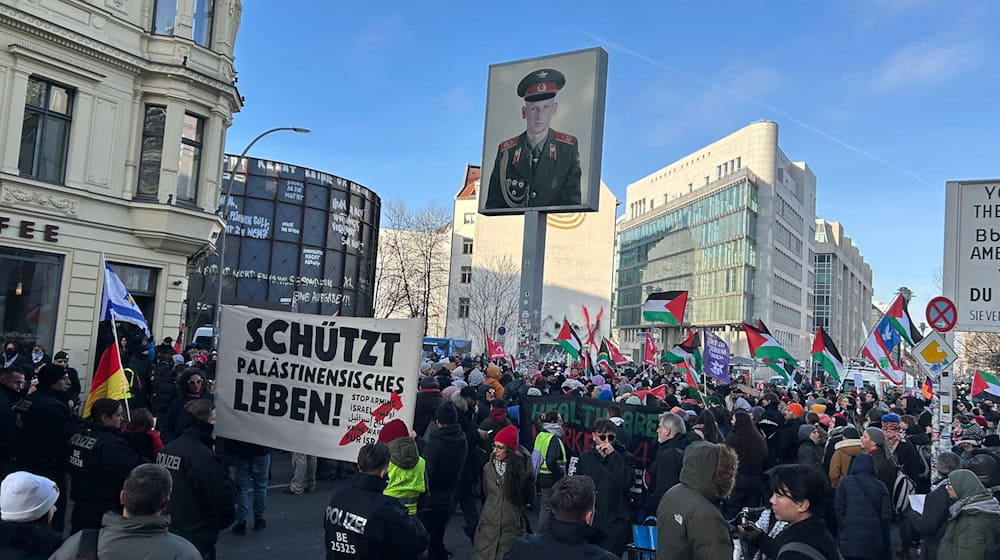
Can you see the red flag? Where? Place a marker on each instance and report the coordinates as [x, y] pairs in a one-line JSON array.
[[109, 379], [649, 352], [660, 392], [928, 388], [494, 349], [616, 355]]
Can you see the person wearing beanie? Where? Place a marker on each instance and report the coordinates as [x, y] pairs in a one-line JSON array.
[[406, 466], [507, 478], [903, 453], [633, 400], [492, 379], [789, 433], [847, 446], [444, 455], [973, 527], [873, 443], [476, 378], [45, 425], [429, 398], [27, 506], [808, 451]]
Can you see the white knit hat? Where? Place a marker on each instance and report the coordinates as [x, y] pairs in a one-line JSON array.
[[25, 497]]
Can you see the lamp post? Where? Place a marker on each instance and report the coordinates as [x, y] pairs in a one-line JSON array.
[[222, 236]]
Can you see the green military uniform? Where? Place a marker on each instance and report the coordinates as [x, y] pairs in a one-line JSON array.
[[547, 174]]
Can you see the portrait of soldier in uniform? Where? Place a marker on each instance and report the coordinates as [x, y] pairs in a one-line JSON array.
[[541, 166]]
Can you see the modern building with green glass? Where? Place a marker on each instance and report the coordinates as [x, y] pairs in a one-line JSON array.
[[733, 224]]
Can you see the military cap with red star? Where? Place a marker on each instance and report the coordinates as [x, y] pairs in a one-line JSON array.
[[541, 84]]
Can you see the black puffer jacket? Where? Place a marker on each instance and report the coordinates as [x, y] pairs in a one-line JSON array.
[[863, 512], [811, 532], [444, 457], [45, 425], [428, 400], [361, 522], [562, 540], [666, 468], [203, 500], [163, 382], [100, 460]]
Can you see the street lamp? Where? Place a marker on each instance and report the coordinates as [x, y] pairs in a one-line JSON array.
[[222, 236]]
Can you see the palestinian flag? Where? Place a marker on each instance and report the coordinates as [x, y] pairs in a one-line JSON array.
[[617, 357], [927, 388], [899, 316], [780, 367], [688, 349], [604, 358], [692, 380], [764, 346], [569, 340], [985, 382], [826, 354], [665, 307], [109, 379]]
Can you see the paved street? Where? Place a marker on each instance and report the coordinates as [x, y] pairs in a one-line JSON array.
[[295, 524]]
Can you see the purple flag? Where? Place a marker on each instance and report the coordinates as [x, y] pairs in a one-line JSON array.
[[716, 356]]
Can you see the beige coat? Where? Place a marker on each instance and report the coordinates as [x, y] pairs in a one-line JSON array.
[[840, 464]]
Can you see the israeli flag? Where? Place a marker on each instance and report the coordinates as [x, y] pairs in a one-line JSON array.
[[118, 305]]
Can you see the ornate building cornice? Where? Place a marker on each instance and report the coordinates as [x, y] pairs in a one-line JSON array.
[[29, 197]]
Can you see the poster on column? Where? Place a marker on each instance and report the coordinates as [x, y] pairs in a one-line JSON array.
[[314, 384]]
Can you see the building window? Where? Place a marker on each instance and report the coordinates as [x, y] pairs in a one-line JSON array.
[[466, 246], [164, 17], [151, 157], [31, 283], [463, 308], [469, 218], [190, 163], [48, 112], [201, 23], [718, 171], [739, 163], [466, 275]]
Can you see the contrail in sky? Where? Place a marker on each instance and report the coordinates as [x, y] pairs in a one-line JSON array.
[[621, 48]]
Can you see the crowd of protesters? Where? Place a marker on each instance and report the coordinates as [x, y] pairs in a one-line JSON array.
[[807, 471]]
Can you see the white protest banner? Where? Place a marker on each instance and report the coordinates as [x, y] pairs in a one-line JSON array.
[[314, 384]]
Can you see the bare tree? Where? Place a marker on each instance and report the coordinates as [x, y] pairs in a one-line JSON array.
[[491, 297], [981, 350], [412, 266]]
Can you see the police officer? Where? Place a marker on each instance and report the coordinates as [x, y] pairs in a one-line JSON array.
[[44, 425], [361, 522], [203, 501], [540, 166], [11, 382], [100, 460]]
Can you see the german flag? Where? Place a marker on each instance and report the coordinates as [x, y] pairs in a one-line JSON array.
[[109, 379]]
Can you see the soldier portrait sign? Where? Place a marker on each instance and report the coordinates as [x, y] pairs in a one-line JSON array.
[[544, 134]]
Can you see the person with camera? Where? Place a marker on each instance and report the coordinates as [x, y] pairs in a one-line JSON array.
[[612, 474]]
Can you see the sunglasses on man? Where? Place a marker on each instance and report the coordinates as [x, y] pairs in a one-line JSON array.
[[606, 437]]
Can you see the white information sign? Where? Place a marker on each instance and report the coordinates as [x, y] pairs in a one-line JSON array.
[[972, 253]]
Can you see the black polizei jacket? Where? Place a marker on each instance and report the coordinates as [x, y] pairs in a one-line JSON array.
[[203, 500], [100, 460], [44, 426], [361, 522]]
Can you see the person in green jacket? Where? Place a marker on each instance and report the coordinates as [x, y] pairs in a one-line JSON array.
[[973, 527], [406, 466]]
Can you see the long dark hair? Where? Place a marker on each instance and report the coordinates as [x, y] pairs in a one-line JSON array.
[[515, 479], [746, 439], [709, 427]]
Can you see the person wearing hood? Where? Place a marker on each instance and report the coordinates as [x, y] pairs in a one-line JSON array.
[[507, 479], [13, 357], [973, 527], [770, 423], [203, 499], [689, 524], [492, 379], [864, 512], [623, 436], [808, 453], [550, 448], [27, 505], [844, 453], [444, 454], [100, 460], [429, 398], [45, 425], [929, 524], [665, 470], [495, 421], [572, 534], [613, 476], [799, 497], [406, 466]]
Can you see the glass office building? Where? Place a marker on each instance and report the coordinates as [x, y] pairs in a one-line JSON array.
[[705, 246]]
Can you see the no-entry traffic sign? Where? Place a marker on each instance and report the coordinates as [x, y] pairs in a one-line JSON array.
[[941, 314]]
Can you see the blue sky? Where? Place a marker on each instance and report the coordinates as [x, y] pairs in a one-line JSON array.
[[885, 99]]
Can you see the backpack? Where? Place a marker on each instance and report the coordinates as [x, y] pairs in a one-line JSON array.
[[805, 550], [901, 490], [87, 547], [536, 461]]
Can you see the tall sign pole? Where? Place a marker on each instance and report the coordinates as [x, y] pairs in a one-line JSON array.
[[529, 312]]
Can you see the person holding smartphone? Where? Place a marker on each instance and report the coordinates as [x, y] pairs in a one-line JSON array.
[[612, 475]]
